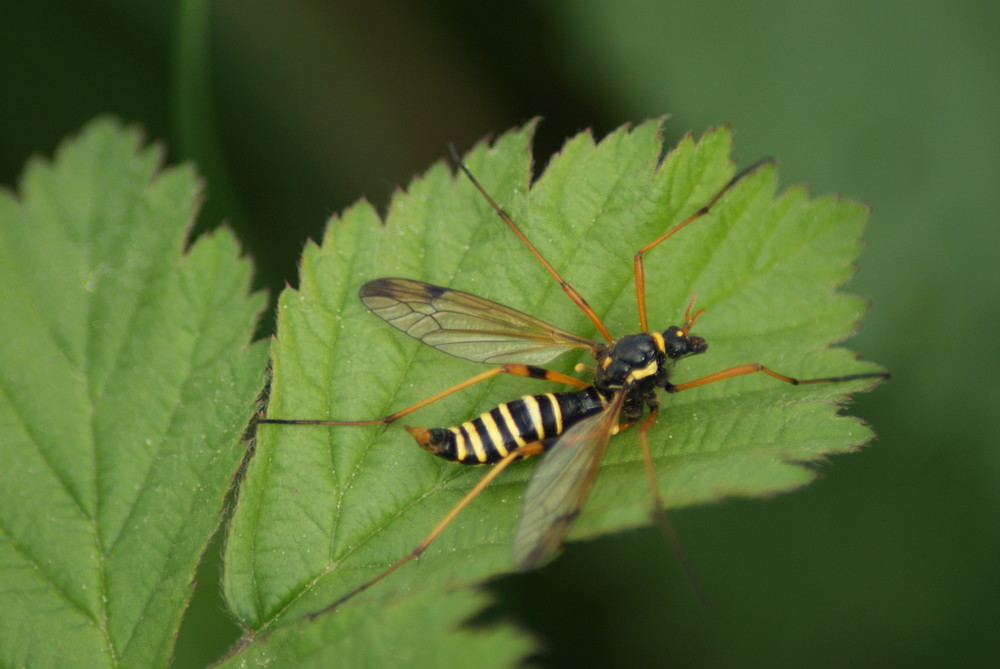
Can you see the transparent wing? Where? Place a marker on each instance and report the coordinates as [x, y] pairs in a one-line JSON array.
[[561, 484], [467, 326]]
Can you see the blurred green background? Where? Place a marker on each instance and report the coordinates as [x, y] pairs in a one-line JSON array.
[[295, 109]]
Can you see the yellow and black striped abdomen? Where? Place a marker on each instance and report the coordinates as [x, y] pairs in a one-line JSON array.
[[495, 433]]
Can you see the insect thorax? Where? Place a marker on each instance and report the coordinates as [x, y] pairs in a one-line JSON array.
[[640, 363], [637, 361]]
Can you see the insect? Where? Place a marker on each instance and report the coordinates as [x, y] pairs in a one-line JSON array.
[[572, 428]]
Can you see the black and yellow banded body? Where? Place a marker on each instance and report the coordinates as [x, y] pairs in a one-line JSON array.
[[494, 434]]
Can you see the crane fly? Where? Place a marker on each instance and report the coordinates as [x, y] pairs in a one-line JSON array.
[[572, 428]]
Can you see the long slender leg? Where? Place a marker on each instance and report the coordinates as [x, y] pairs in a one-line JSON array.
[[567, 288], [640, 274], [528, 371], [522, 452], [661, 514], [753, 368]]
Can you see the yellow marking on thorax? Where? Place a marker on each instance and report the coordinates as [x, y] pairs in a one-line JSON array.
[[648, 370], [658, 339]]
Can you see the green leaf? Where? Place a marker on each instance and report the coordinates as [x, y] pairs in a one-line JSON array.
[[399, 634], [125, 379], [324, 509]]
